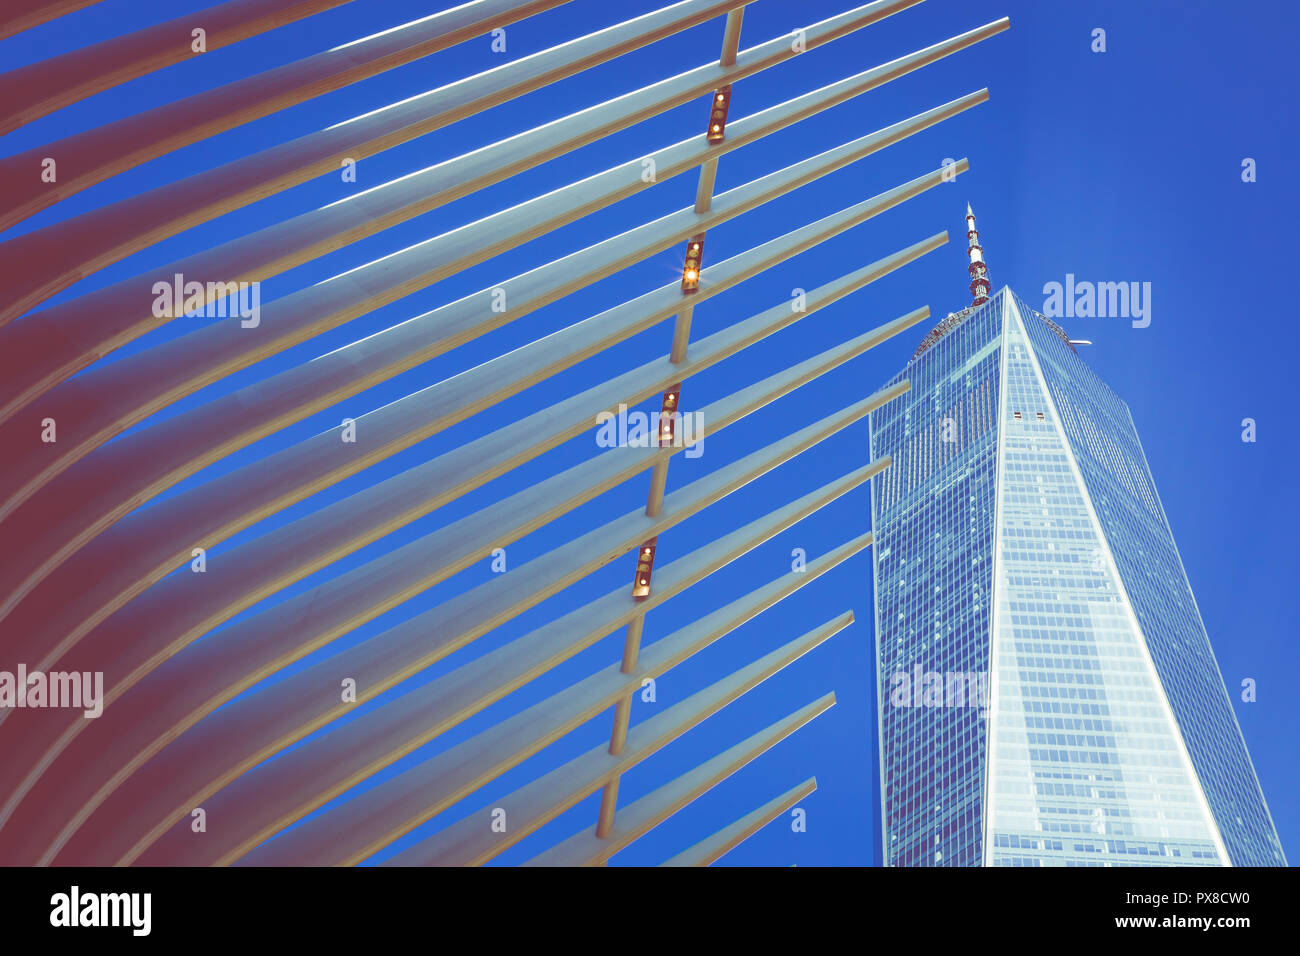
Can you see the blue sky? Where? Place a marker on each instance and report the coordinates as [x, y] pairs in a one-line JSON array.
[[1123, 165]]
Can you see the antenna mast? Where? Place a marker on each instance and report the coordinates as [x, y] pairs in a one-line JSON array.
[[979, 281]]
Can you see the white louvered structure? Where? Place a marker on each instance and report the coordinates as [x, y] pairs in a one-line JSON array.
[[223, 687]]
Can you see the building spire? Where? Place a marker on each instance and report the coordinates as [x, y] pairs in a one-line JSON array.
[[979, 281]]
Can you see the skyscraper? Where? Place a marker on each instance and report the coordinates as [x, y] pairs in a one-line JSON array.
[[1047, 691]]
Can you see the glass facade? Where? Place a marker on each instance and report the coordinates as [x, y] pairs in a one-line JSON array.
[[1047, 691]]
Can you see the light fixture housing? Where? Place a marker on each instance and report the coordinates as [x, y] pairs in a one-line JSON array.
[[692, 265], [645, 562], [668, 414], [717, 131]]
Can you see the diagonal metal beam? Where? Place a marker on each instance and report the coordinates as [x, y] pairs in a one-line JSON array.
[[48, 624], [639, 818], [125, 657], [154, 541], [105, 319], [728, 838], [126, 650], [233, 741], [174, 207], [363, 826], [134, 642], [32, 91], [472, 841], [157, 539], [264, 745], [150, 380], [20, 15], [275, 795], [52, 345], [206, 676]]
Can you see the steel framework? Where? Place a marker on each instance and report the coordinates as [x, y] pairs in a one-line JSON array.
[[94, 530]]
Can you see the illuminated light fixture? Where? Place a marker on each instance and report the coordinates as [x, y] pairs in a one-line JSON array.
[[645, 562], [668, 414], [718, 118], [691, 268]]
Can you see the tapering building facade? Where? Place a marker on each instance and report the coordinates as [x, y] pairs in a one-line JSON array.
[[1047, 691]]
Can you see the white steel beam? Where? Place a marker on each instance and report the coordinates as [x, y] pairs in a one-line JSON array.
[[472, 841], [49, 624], [38, 89], [103, 320], [166, 210], [201, 679], [112, 397], [640, 817], [231, 742], [133, 643], [712, 848]]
